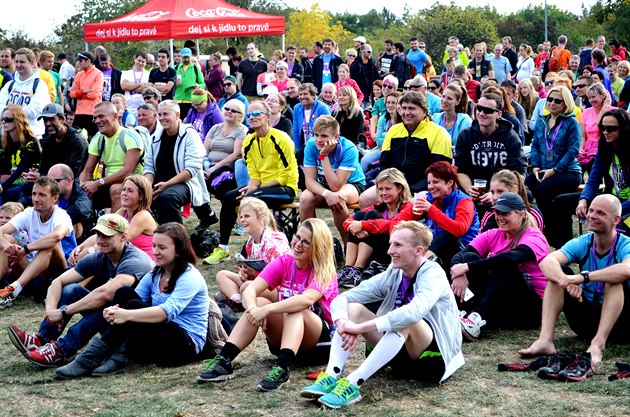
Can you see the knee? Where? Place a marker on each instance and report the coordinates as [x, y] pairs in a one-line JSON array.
[[308, 199], [115, 190]]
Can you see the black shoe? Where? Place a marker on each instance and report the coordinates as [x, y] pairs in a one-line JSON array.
[[556, 364], [578, 370], [217, 369], [374, 268], [349, 276], [277, 377], [207, 222]]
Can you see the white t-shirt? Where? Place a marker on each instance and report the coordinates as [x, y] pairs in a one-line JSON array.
[[66, 71], [30, 221], [134, 100]]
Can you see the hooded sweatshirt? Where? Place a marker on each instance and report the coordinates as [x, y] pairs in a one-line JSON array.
[[31, 102]]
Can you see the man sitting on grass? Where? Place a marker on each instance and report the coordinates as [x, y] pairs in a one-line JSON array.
[[415, 330], [116, 264], [593, 300]]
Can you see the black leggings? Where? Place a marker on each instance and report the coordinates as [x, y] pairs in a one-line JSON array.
[[546, 192], [561, 231], [273, 196], [504, 299], [163, 343], [378, 242]]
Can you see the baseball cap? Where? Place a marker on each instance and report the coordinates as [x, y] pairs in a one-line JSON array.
[[85, 55], [110, 224], [269, 89], [282, 64], [360, 39], [230, 78], [185, 52], [508, 202], [51, 110]]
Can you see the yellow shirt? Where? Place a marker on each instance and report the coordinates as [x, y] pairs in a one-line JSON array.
[[50, 83]]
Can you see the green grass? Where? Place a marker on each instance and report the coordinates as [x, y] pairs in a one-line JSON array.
[[145, 390]]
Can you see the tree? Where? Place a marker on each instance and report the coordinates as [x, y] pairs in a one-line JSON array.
[[306, 26], [614, 17]]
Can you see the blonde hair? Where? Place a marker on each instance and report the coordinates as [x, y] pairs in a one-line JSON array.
[[398, 178], [528, 103], [326, 122], [144, 190], [12, 207], [262, 211], [528, 221], [354, 109], [566, 97], [322, 252], [421, 235]]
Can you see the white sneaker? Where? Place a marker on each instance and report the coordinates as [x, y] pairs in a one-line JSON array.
[[471, 325]]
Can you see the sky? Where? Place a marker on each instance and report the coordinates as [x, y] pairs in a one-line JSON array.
[[43, 16]]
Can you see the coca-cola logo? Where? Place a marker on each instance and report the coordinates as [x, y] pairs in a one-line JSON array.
[[143, 17], [216, 12]]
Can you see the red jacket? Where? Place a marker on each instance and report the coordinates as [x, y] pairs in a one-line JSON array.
[[378, 226]]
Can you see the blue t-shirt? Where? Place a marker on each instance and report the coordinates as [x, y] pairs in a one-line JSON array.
[[345, 157], [502, 67], [417, 58], [326, 74], [186, 305], [579, 250]]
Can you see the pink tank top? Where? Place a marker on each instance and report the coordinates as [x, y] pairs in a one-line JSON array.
[[143, 242]]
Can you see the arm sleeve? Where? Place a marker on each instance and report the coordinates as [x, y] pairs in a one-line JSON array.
[[386, 157], [285, 173], [194, 153], [97, 88], [463, 159], [38, 101], [516, 160], [534, 155], [144, 287], [187, 287], [467, 255], [441, 148], [464, 216], [518, 255], [594, 179]]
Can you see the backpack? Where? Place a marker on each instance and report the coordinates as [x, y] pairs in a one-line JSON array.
[[121, 142], [12, 83]]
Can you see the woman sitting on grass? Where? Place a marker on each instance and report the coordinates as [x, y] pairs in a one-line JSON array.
[[501, 268], [306, 284], [264, 243], [164, 321], [135, 199], [368, 230]]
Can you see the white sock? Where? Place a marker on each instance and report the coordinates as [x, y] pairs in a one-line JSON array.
[[236, 298], [224, 247], [17, 288], [386, 349], [338, 357]]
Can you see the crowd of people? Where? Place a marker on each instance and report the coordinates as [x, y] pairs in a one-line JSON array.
[[466, 173]]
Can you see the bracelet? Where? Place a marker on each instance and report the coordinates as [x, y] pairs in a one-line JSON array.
[[323, 156], [325, 193], [26, 249]]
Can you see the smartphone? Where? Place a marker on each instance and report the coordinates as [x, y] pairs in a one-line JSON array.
[[468, 294], [540, 174]]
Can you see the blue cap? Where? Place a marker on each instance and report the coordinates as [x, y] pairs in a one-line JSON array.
[[185, 52]]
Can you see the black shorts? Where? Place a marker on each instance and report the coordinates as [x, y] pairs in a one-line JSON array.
[[319, 354], [360, 187], [428, 367]]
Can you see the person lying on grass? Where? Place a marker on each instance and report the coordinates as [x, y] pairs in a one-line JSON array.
[[416, 329], [300, 319]]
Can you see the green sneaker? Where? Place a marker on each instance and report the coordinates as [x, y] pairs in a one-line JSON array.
[[219, 255], [217, 369], [323, 385], [274, 379], [345, 393]]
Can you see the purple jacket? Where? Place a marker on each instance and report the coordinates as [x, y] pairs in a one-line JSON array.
[[211, 117], [214, 81]]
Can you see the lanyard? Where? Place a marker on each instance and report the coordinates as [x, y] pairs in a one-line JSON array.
[[553, 139], [452, 129], [620, 190], [599, 286], [289, 292]]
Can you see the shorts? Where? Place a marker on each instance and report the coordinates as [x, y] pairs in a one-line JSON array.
[[428, 367], [319, 354], [360, 187]]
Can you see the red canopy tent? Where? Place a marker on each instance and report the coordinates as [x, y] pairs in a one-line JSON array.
[[184, 19]]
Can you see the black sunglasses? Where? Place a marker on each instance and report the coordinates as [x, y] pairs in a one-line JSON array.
[[550, 82], [148, 97], [555, 100], [227, 84], [580, 85], [609, 128], [434, 88], [8, 119], [487, 110]]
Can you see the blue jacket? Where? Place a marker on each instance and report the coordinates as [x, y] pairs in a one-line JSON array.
[[449, 207], [463, 121], [318, 109], [565, 147], [602, 168]]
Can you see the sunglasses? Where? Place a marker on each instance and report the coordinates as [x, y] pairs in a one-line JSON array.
[[256, 113], [417, 86], [8, 119], [388, 86], [146, 98], [227, 84], [609, 128], [368, 52], [555, 100], [407, 88], [486, 110], [434, 88], [351, 55], [580, 85], [550, 82], [231, 110]]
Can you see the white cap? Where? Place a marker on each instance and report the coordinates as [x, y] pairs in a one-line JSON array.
[[360, 39], [270, 89]]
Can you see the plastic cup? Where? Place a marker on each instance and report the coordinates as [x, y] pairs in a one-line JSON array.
[[480, 187], [416, 211]]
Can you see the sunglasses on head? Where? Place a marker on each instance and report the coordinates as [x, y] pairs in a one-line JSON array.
[[255, 113], [555, 100], [609, 128], [8, 119], [486, 110], [231, 110], [227, 84]]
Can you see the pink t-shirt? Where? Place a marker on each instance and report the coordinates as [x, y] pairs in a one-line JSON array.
[[589, 121], [493, 242], [282, 274]]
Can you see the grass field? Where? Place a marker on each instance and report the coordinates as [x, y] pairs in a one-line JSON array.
[[475, 390]]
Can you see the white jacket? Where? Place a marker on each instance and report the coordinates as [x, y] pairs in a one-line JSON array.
[[188, 155], [32, 103], [433, 301]]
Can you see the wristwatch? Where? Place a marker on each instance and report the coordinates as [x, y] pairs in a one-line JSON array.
[[101, 182], [62, 309], [586, 277]]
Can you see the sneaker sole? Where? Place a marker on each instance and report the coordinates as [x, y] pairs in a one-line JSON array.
[[468, 336], [312, 395], [16, 341], [220, 378], [227, 259], [564, 378], [47, 365], [263, 389], [335, 407], [544, 375]]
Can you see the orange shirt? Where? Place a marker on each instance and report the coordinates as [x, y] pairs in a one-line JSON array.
[[84, 80], [559, 58]]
